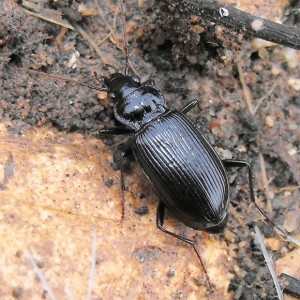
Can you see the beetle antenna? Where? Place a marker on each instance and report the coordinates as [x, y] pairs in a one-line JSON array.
[[100, 79], [125, 38], [122, 181], [113, 67], [60, 77]]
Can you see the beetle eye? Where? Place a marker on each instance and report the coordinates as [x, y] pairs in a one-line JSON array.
[[136, 79]]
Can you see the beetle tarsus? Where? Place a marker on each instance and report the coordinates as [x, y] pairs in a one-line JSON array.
[[160, 216], [122, 182]]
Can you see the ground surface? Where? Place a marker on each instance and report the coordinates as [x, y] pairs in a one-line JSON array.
[[59, 191]]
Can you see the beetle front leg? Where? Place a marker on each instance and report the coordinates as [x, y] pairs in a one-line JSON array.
[[160, 216], [193, 103], [122, 157], [114, 131], [124, 151], [232, 163]]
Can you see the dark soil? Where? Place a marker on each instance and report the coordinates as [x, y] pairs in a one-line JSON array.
[[189, 59]]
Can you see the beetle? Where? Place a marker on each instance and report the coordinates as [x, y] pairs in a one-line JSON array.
[[184, 169]]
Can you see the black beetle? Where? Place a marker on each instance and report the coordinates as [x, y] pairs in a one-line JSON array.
[[184, 169], [177, 159]]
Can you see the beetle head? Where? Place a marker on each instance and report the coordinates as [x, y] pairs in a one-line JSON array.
[[120, 85], [136, 103]]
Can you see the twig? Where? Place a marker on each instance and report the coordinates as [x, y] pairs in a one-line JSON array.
[[238, 20], [58, 20], [41, 277], [93, 268], [290, 188], [260, 239], [91, 43], [291, 285], [246, 90], [293, 240], [112, 34], [70, 291], [265, 181], [260, 101]]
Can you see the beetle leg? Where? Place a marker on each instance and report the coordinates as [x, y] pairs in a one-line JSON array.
[[124, 150], [113, 67], [189, 106], [123, 155], [122, 182], [232, 163], [160, 216], [114, 131], [149, 82]]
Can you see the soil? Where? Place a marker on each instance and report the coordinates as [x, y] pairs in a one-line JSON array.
[[189, 58]]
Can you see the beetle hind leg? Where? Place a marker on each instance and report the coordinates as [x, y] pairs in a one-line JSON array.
[[232, 163], [160, 216]]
